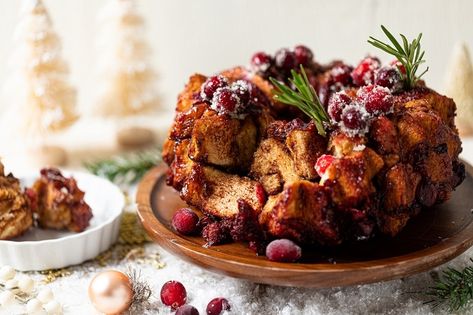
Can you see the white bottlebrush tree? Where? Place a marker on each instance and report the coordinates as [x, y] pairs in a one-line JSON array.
[[127, 80], [39, 99], [459, 86]]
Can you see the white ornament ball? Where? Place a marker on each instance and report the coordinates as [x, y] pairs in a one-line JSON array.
[[45, 295], [7, 273], [11, 284], [53, 308], [26, 284], [6, 298], [34, 306]]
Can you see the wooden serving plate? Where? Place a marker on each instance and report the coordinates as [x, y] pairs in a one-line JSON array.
[[434, 237]]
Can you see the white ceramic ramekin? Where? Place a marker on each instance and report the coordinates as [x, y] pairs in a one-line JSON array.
[[42, 249]]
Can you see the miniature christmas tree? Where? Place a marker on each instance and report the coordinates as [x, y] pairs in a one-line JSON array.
[[40, 100], [459, 86], [128, 79]]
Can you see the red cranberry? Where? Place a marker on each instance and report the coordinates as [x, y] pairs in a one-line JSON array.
[[353, 118], [336, 105], [285, 59], [377, 99], [211, 85], [226, 101], [283, 250], [396, 63], [323, 162], [363, 74], [303, 55], [217, 305], [389, 77], [187, 310], [341, 74], [185, 221], [242, 89], [261, 61], [173, 294]]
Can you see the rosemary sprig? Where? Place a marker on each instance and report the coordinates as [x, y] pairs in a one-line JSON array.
[[126, 169], [454, 289], [304, 97], [408, 54]]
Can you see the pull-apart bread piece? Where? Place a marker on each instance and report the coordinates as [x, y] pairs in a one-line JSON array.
[[388, 152], [15, 214], [58, 202]]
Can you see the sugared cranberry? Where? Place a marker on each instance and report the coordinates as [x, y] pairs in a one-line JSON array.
[[389, 77], [377, 99], [336, 104], [323, 162], [363, 74], [217, 306], [353, 117], [173, 294], [396, 63], [283, 250], [341, 74], [285, 59], [303, 55], [211, 85], [261, 61], [187, 310], [226, 101], [185, 221], [242, 89]]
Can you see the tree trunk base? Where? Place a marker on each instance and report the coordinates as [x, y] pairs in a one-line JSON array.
[[48, 155], [135, 137]]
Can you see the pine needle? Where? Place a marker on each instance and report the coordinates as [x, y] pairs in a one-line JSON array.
[[454, 289], [126, 169], [408, 54]]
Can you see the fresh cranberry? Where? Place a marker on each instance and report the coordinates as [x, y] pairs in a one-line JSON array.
[[389, 77], [377, 99], [187, 310], [242, 89], [363, 74], [283, 250], [323, 162], [185, 221], [173, 294], [226, 101], [303, 55], [341, 74], [352, 117], [217, 305], [261, 61], [336, 104], [285, 59], [396, 63], [211, 85], [324, 91]]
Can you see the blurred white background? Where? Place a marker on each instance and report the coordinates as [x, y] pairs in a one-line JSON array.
[[209, 35]]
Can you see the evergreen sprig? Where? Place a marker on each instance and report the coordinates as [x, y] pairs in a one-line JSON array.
[[126, 169], [454, 289], [304, 97], [409, 55]]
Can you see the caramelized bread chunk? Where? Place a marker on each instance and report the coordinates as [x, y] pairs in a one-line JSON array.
[[15, 215], [301, 212], [59, 203]]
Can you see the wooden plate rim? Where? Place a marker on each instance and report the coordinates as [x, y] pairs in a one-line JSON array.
[[268, 272]]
